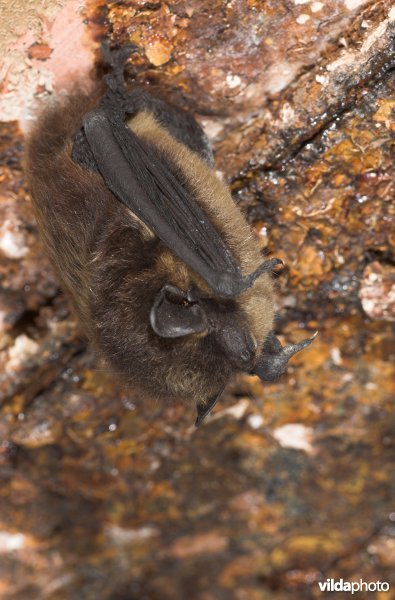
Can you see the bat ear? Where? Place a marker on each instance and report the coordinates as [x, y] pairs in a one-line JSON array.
[[173, 315], [274, 357]]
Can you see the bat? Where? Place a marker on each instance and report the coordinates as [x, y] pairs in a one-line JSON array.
[[156, 257]]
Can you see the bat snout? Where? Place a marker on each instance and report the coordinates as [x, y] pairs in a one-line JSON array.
[[239, 346]]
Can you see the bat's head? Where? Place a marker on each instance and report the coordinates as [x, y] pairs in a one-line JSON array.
[[180, 340], [177, 314], [169, 340]]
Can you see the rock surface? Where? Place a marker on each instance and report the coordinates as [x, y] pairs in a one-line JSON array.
[[287, 484]]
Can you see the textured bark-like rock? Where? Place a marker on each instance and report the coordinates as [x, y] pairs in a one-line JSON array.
[[329, 212], [377, 292], [102, 496], [121, 500]]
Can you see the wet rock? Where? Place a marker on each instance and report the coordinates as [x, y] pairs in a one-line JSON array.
[[209, 543], [377, 291], [329, 209], [27, 280], [36, 431], [294, 435], [106, 495]]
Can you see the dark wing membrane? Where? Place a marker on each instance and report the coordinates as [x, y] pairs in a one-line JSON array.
[[138, 178]]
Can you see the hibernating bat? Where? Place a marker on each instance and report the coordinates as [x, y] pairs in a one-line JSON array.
[[158, 260]]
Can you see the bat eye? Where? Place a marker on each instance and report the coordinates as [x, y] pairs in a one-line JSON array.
[[245, 356]]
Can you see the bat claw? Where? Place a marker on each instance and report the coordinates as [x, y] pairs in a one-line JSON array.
[[265, 267], [116, 59]]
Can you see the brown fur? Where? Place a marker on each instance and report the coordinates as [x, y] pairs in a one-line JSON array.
[[112, 266]]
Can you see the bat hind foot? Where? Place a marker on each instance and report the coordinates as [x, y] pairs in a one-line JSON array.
[[116, 59]]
